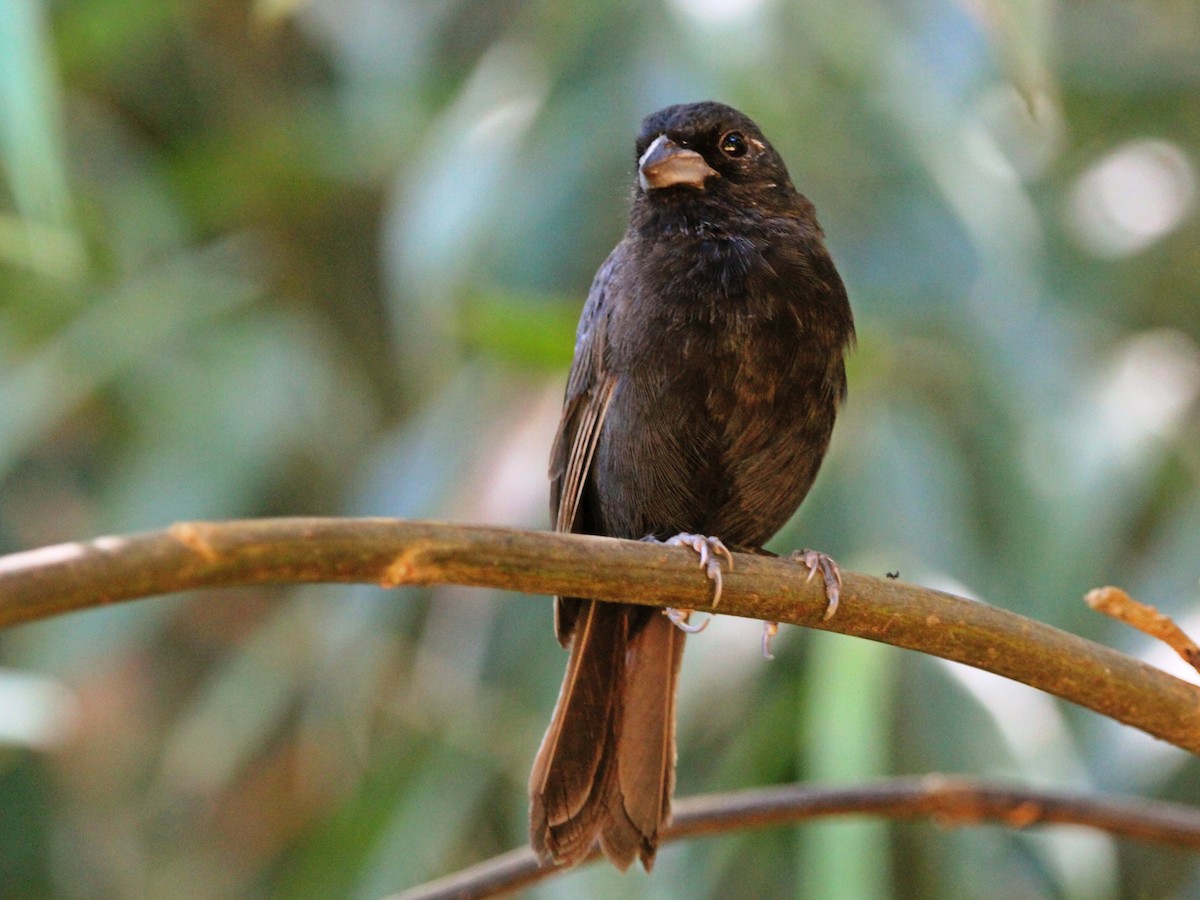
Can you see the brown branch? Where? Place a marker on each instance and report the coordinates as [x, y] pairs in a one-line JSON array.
[[1117, 604], [949, 801], [53, 580]]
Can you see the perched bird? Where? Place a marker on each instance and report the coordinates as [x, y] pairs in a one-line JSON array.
[[708, 371]]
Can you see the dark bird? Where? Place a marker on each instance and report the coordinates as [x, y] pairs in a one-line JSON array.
[[708, 372]]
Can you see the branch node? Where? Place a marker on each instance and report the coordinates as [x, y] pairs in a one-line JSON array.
[[1025, 814], [195, 536], [401, 570]]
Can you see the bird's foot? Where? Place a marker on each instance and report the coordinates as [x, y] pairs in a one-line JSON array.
[[710, 551], [830, 573], [770, 629], [679, 617], [815, 562]]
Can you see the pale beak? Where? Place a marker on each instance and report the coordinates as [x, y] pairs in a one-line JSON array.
[[665, 164]]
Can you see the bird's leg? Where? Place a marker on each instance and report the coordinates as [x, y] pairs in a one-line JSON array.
[[710, 550]]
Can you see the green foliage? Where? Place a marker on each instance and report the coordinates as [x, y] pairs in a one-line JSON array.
[[326, 258]]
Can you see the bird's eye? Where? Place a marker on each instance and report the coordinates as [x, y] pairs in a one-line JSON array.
[[734, 144]]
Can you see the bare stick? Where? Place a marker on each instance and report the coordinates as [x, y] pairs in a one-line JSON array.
[[1119, 605], [951, 801], [54, 580]]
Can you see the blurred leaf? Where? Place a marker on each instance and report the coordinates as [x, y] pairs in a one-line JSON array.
[[30, 141], [527, 330], [846, 716], [116, 333]]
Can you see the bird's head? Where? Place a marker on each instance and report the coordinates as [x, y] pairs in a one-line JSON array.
[[706, 148]]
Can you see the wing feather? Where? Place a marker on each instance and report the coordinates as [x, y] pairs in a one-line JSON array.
[[590, 389]]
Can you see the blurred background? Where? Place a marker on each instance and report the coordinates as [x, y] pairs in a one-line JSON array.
[[325, 257]]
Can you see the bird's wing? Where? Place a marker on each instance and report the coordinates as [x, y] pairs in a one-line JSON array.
[[590, 388]]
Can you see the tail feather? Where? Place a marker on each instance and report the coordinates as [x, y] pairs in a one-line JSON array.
[[573, 765], [605, 769], [646, 743], [620, 839]]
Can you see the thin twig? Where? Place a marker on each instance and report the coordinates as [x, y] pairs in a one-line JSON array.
[[54, 580], [951, 801], [1117, 604]]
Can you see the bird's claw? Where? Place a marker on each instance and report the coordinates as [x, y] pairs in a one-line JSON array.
[[679, 617], [832, 576], [710, 550], [770, 629], [830, 573]]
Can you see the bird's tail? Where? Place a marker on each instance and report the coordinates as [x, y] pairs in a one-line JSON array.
[[606, 767]]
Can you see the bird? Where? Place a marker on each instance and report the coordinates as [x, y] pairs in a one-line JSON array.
[[708, 369]]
